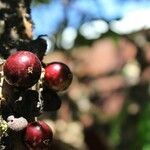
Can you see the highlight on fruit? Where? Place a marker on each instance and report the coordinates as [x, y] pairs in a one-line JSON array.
[[22, 69], [58, 76]]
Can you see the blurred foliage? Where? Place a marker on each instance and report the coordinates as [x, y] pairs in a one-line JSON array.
[[126, 131], [144, 127]]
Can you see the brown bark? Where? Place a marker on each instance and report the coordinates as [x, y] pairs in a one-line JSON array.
[[15, 24], [15, 27]]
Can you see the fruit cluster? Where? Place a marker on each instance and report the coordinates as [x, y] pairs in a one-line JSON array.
[[30, 89]]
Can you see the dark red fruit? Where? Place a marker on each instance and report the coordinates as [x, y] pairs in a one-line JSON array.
[[22, 69], [58, 76], [38, 135]]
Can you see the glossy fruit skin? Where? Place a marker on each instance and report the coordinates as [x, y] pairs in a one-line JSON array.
[[22, 69], [58, 76], [38, 135]]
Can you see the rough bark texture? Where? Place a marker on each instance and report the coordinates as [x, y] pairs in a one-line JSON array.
[[15, 29], [15, 24], [15, 35]]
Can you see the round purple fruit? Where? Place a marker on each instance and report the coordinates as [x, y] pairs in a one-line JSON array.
[[22, 69], [38, 135], [58, 76]]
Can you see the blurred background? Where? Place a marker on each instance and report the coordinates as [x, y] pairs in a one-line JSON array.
[[106, 44]]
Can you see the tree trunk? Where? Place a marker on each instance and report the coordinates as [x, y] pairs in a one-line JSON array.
[[15, 28], [15, 25]]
